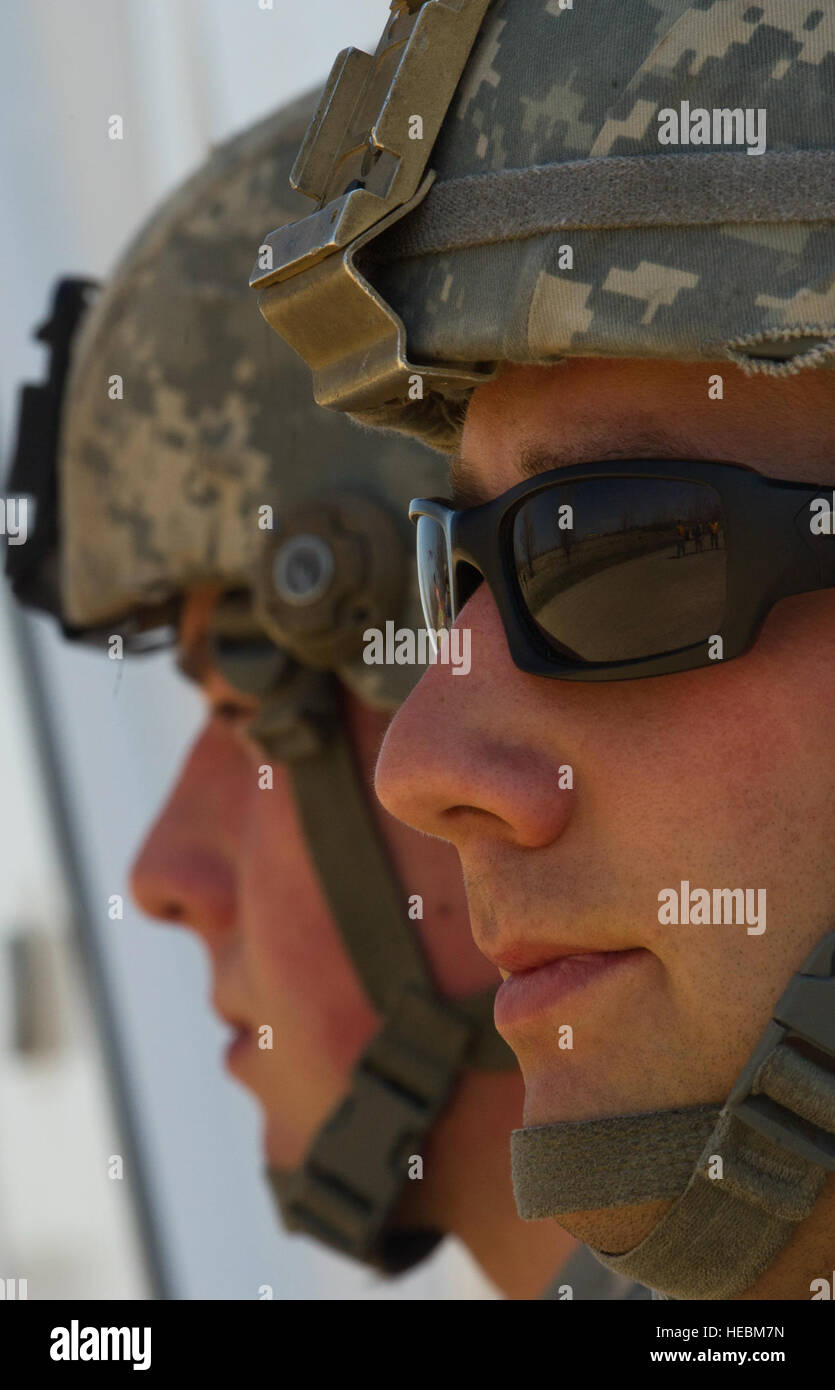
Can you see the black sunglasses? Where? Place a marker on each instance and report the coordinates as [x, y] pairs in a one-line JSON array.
[[615, 571]]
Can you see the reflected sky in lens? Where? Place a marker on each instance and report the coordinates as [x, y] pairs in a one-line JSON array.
[[433, 574], [640, 571]]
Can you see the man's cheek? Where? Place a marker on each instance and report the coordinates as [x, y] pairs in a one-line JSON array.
[[295, 955], [711, 759]]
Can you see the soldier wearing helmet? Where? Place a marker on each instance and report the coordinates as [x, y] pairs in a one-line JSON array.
[[587, 250], [201, 498]]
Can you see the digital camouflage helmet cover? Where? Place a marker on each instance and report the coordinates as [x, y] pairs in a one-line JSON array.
[[550, 137]]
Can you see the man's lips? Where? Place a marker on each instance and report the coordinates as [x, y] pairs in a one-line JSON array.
[[239, 1047], [520, 956], [243, 1034], [528, 990]]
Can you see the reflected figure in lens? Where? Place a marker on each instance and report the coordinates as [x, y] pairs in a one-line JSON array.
[[619, 547]]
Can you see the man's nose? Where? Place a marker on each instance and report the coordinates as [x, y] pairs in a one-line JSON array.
[[185, 871], [475, 755]]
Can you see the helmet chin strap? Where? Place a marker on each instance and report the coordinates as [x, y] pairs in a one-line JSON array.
[[357, 1167], [745, 1175]]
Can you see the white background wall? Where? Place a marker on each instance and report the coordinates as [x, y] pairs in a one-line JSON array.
[[182, 74]]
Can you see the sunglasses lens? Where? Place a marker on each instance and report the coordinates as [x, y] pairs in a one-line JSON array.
[[616, 569], [433, 575]]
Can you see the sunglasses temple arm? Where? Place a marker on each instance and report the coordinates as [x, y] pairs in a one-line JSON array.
[[811, 564]]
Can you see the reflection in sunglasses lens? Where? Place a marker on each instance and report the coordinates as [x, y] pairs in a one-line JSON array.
[[615, 569], [433, 575]]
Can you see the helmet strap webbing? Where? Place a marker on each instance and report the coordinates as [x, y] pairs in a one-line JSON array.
[[757, 1175], [357, 1167], [618, 191], [366, 898]]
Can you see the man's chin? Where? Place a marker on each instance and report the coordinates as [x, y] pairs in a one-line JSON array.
[[565, 1092], [283, 1147], [564, 1097], [614, 1230]]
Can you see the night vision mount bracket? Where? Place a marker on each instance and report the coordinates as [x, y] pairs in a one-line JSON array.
[[361, 162]]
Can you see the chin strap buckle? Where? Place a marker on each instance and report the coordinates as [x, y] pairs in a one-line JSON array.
[[349, 1184], [787, 1089]]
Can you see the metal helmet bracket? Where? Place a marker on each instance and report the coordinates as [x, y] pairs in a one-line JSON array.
[[364, 159]]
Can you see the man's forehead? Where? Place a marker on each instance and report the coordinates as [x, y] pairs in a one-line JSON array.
[[469, 480], [532, 420]]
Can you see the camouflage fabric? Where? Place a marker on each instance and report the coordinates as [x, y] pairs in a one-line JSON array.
[[160, 489], [550, 86]]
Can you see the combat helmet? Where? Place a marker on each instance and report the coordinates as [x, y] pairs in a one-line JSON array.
[[175, 444], [525, 180], [493, 187]]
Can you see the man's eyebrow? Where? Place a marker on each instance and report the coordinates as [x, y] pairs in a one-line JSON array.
[[468, 491], [464, 486]]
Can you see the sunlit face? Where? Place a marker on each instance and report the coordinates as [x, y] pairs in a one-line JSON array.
[[228, 859], [719, 776]]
